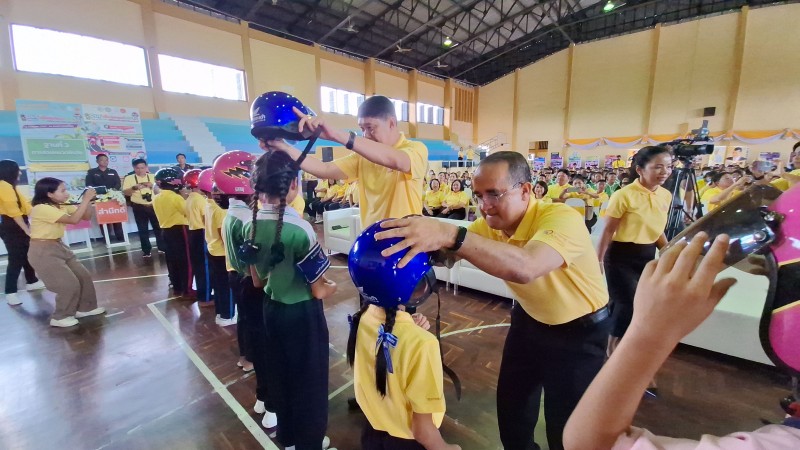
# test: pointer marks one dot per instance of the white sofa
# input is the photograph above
(732, 329)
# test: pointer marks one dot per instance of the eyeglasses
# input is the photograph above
(493, 199)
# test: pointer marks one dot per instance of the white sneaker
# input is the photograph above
(326, 442)
(259, 408)
(64, 323)
(226, 322)
(13, 300)
(94, 312)
(270, 420)
(35, 286)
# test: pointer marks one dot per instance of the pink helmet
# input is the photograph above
(232, 171)
(205, 181)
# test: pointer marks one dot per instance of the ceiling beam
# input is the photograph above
(253, 10)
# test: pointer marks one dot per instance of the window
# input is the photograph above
(194, 77)
(340, 102)
(400, 109)
(54, 52)
(430, 114)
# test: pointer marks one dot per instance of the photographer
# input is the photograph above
(139, 187)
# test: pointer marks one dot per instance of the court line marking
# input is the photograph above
(242, 414)
(340, 390)
(132, 278)
(115, 314)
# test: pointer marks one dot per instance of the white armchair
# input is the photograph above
(341, 227)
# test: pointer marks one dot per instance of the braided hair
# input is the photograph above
(273, 176)
(380, 361)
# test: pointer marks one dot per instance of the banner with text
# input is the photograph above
(116, 132)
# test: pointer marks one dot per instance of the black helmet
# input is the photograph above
(169, 178)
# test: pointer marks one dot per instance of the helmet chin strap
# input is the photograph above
(311, 141)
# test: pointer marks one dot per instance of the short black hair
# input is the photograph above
(138, 161)
(378, 107)
(97, 158)
(518, 169)
(579, 177)
(180, 154)
(565, 171)
(796, 146)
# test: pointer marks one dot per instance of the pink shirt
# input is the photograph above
(765, 438)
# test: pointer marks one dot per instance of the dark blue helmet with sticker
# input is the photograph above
(272, 117)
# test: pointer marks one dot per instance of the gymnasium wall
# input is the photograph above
(269, 62)
(656, 82)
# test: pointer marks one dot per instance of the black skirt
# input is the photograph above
(624, 263)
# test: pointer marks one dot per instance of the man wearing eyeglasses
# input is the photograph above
(559, 324)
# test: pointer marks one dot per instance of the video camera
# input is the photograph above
(695, 145)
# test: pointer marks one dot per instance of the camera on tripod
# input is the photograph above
(695, 145)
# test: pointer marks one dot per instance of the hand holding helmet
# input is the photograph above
(310, 124)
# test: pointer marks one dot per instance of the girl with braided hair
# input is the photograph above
(288, 262)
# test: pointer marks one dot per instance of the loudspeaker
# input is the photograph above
(327, 154)
(709, 111)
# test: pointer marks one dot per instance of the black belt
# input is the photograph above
(589, 319)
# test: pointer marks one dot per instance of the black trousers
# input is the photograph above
(197, 255)
(332, 206)
(177, 255)
(297, 368)
(562, 360)
(372, 439)
(434, 212)
(254, 336)
(145, 215)
(321, 206)
(235, 283)
(17, 244)
(624, 263)
(457, 214)
(223, 294)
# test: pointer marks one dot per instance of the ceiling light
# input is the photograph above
(447, 41)
(608, 7)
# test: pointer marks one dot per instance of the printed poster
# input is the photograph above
(51, 132)
(574, 161)
(115, 131)
(556, 161)
(773, 157)
(718, 156)
(592, 162)
(609, 161)
(538, 163)
(737, 156)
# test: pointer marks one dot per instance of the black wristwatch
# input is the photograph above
(351, 141)
(460, 236)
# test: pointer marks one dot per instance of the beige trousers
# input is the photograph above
(63, 274)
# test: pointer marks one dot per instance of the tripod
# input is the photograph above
(683, 176)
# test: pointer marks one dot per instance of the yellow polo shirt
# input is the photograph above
(433, 199)
(569, 292)
(386, 193)
(196, 210)
(586, 199)
(708, 194)
(783, 184)
(170, 209)
(214, 215)
(44, 220)
(131, 181)
(554, 190)
(618, 164)
(453, 198)
(415, 386)
(642, 213)
(321, 184)
(298, 204)
(9, 206)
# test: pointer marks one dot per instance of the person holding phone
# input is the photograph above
(57, 266)
(561, 184)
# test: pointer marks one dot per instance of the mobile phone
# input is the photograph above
(763, 166)
(572, 189)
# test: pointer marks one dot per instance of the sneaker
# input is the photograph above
(270, 420)
(147, 255)
(248, 367)
(259, 407)
(318, 221)
(13, 300)
(64, 323)
(34, 286)
(226, 322)
(326, 442)
(161, 251)
(94, 312)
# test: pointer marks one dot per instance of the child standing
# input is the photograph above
(170, 209)
(195, 213)
(291, 264)
(55, 263)
(398, 387)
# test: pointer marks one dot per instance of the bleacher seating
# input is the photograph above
(10, 143)
(163, 141)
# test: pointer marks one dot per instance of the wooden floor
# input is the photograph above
(155, 373)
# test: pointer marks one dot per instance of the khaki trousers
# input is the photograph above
(63, 274)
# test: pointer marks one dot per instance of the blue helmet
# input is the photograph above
(271, 117)
(378, 278)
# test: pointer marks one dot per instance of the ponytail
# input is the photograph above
(381, 361)
(644, 156)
